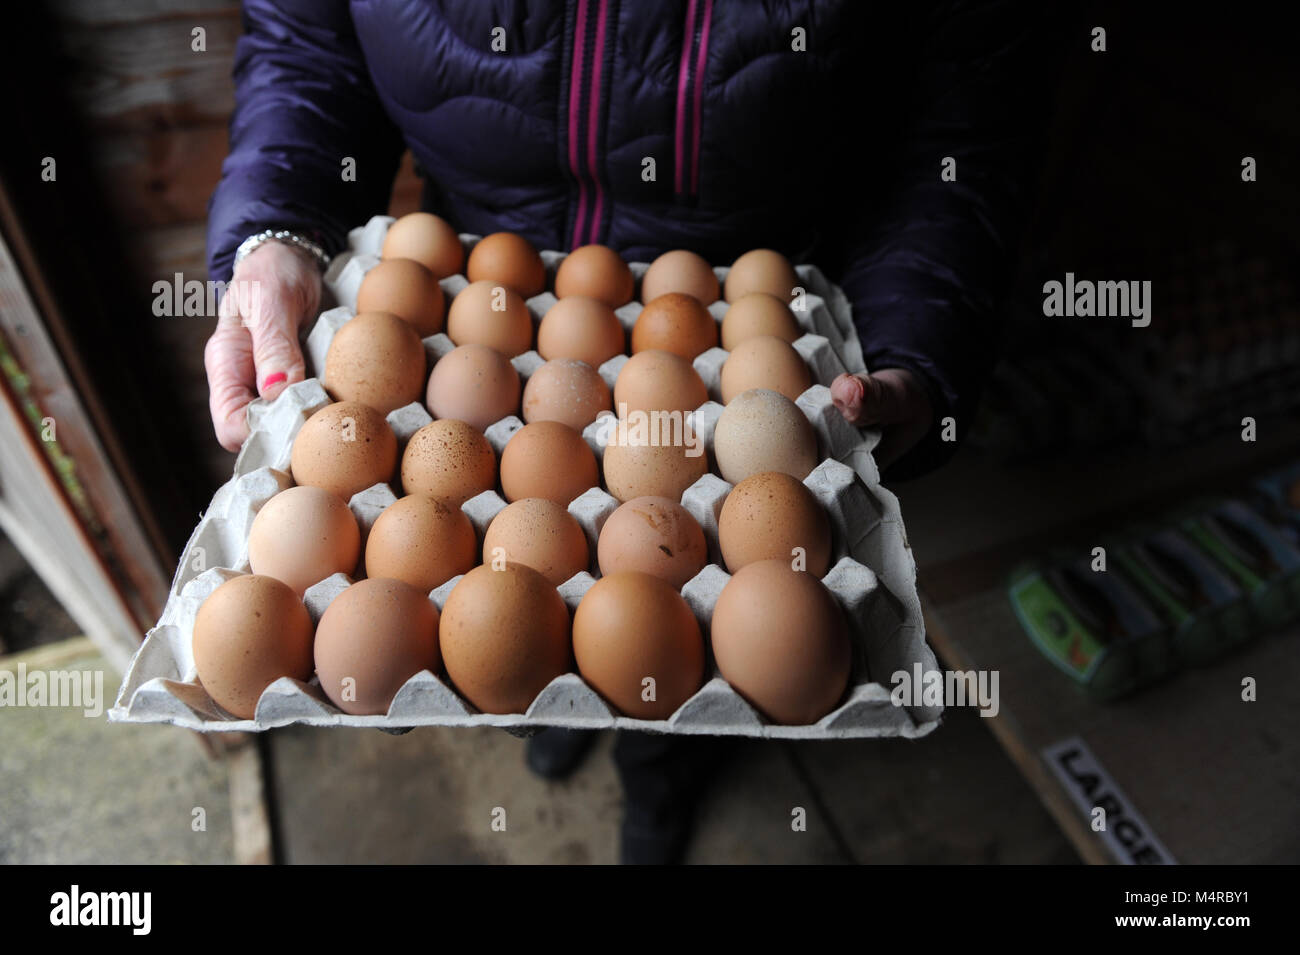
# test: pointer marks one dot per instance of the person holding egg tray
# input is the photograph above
(891, 145)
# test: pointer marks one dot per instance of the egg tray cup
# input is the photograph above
(872, 574)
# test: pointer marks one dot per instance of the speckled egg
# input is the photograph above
(771, 515)
(450, 461)
(344, 448)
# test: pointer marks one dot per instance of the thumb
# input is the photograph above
(873, 399)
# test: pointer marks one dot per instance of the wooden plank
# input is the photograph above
(162, 177)
(145, 75)
(108, 12)
(162, 251)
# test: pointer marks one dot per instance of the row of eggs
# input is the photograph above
(777, 636)
(592, 271)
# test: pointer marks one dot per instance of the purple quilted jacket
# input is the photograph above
(817, 127)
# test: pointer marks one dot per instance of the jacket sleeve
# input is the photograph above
(926, 271)
(304, 103)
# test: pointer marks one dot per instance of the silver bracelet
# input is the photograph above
(288, 238)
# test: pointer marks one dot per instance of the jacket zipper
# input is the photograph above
(697, 96)
(690, 89)
(584, 117)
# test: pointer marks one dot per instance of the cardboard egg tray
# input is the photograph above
(873, 574)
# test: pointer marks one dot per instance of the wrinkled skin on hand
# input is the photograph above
(892, 399)
(254, 350)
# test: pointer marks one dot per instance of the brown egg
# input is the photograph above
(421, 541)
(656, 536)
(658, 381)
(539, 534)
(449, 461)
(505, 636)
(761, 430)
(580, 328)
(761, 270)
(303, 535)
(475, 384)
(345, 447)
(547, 459)
(634, 469)
(680, 271)
(510, 260)
(408, 290)
(771, 516)
(758, 313)
(374, 637)
(489, 313)
(427, 239)
(378, 359)
(595, 271)
(675, 323)
(779, 638)
(248, 633)
(637, 643)
(765, 362)
(570, 392)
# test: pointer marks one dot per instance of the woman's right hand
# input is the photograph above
(254, 350)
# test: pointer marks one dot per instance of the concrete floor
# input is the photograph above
(78, 790)
(430, 796)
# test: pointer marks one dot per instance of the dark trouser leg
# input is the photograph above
(555, 753)
(663, 777)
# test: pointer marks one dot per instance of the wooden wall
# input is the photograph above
(158, 113)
